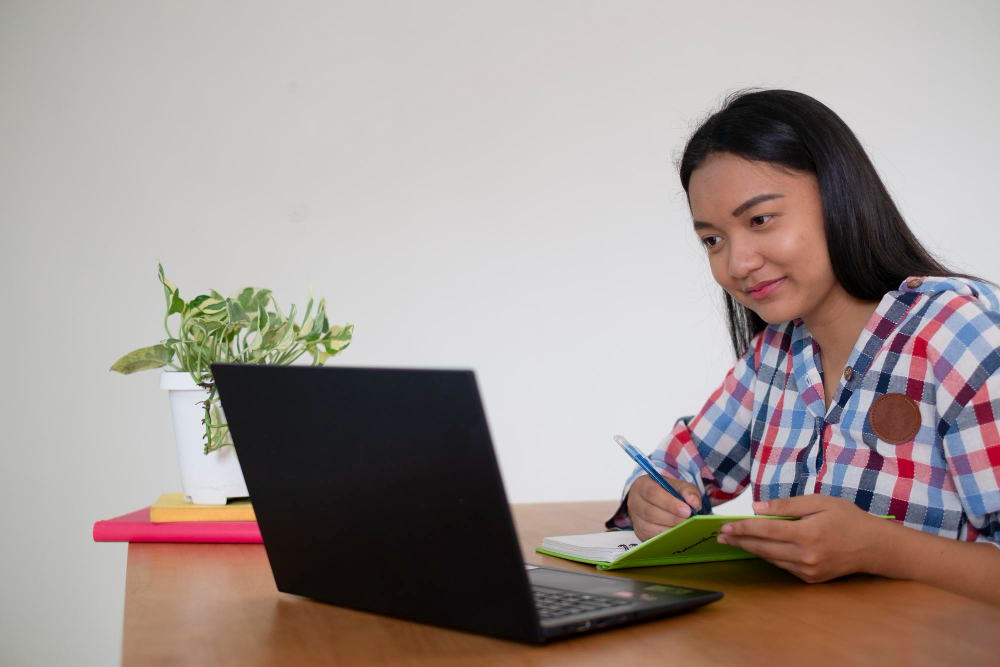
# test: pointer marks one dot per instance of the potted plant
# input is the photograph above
(247, 327)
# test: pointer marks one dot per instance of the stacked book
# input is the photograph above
(173, 519)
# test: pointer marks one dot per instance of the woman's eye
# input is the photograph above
(760, 217)
(709, 241)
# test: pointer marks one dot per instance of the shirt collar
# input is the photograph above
(883, 322)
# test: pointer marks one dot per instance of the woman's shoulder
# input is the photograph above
(955, 290)
(956, 314)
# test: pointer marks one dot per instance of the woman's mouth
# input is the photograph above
(766, 290)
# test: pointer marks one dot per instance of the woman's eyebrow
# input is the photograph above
(753, 201)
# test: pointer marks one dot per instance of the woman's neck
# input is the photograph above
(838, 323)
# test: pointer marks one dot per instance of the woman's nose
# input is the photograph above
(744, 258)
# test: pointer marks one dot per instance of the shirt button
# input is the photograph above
(914, 282)
(848, 373)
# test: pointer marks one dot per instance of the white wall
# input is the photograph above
(484, 185)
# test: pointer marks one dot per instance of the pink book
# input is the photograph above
(136, 527)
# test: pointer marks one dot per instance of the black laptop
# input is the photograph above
(378, 489)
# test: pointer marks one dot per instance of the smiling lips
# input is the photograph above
(764, 289)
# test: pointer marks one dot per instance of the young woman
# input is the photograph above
(867, 378)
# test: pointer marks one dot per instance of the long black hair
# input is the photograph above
(871, 248)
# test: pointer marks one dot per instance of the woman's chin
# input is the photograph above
(772, 313)
(771, 310)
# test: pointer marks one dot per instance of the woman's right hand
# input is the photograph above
(652, 508)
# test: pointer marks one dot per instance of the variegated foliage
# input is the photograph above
(247, 327)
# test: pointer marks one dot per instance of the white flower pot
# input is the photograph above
(207, 479)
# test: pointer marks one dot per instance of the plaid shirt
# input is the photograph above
(936, 340)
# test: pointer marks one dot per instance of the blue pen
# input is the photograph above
(644, 463)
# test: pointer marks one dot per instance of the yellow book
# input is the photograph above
(172, 508)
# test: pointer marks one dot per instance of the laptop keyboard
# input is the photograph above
(553, 603)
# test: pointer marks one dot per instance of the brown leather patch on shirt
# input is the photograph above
(895, 418)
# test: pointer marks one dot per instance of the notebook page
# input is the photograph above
(593, 546)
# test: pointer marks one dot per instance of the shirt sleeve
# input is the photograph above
(967, 369)
(712, 448)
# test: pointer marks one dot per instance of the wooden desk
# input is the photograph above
(217, 605)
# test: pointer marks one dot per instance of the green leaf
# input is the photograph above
(144, 358)
(168, 286)
(211, 326)
(255, 343)
(344, 333)
(175, 304)
(286, 339)
(274, 334)
(338, 339)
(261, 299)
(206, 305)
(321, 320)
(246, 299)
(236, 312)
(197, 301)
(309, 307)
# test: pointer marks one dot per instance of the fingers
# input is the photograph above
(772, 529)
(657, 515)
(768, 549)
(690, 492)
(645, 530)
(654, 510)
(787, 544)
(654, 494)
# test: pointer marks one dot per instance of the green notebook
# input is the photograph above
(692, 541)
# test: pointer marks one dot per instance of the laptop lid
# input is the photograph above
(378, 489)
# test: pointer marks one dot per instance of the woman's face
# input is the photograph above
(762, 228)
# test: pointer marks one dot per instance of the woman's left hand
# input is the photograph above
(833, 537)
